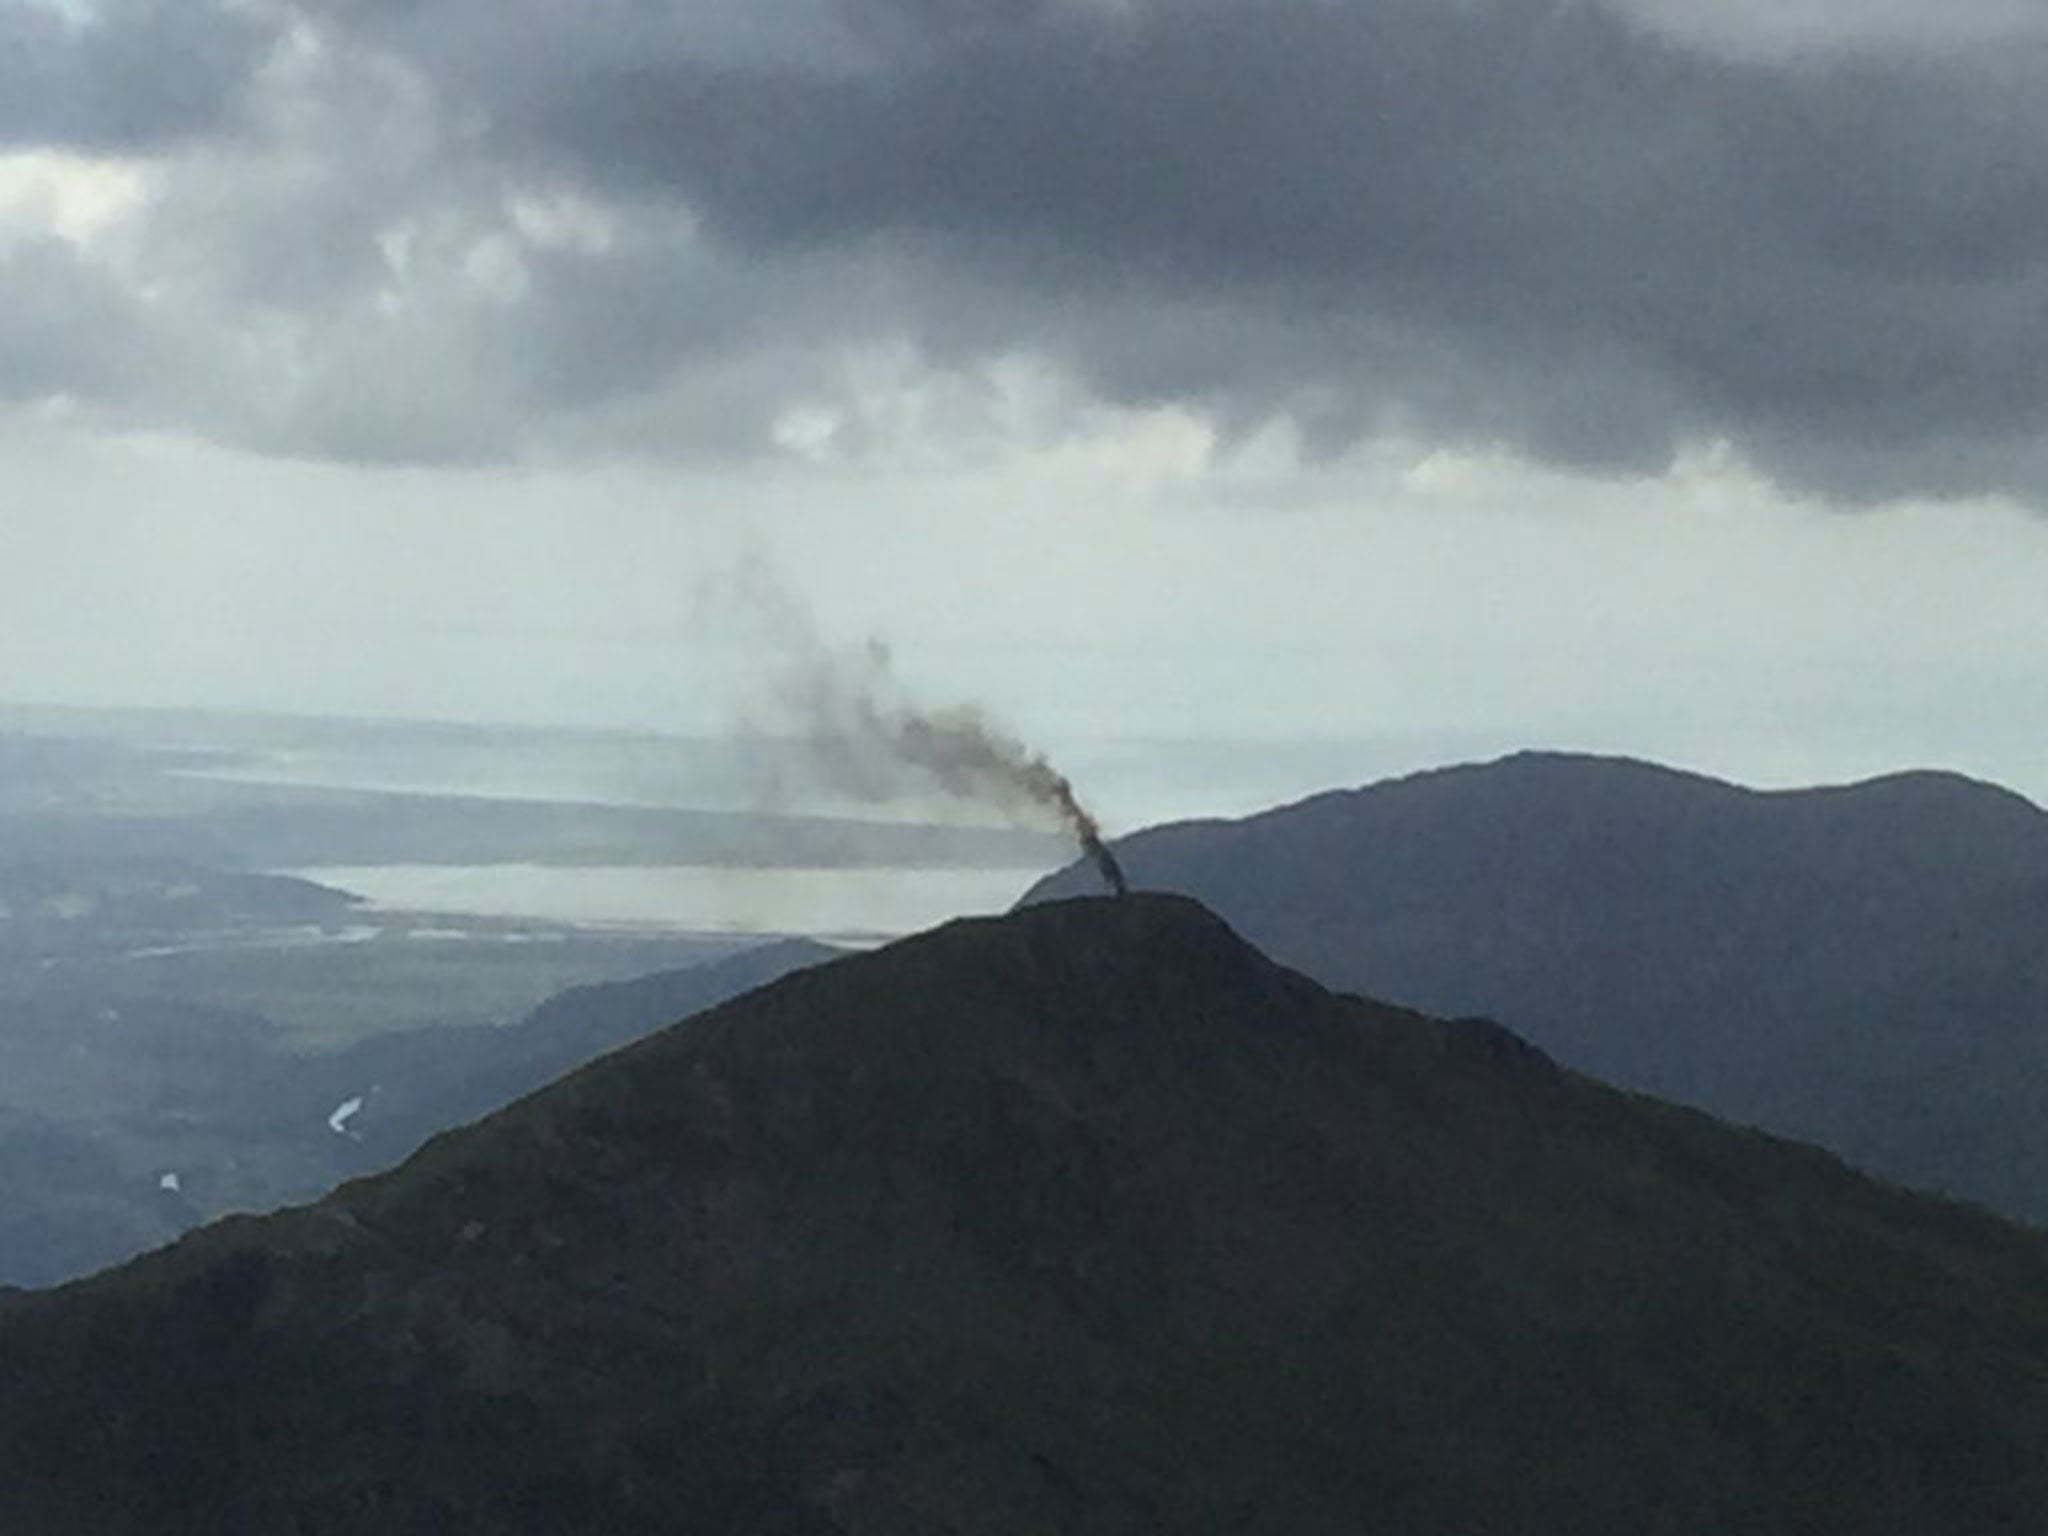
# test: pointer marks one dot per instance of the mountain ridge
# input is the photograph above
(1857, 965)
(1088, 1217)
(242, 1123)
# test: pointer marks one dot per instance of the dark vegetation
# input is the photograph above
(1087, 1219)
(1866, 967)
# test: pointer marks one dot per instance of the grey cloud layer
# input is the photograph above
(1536, 223)
(138, 75)
(65, 329)
(1509, 220)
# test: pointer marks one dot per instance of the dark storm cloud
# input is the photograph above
(1539, 224)
(136, 75)
(1502, 221)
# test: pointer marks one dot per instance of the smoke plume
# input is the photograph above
(864, 736)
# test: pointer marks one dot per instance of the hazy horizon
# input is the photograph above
(1618, 376)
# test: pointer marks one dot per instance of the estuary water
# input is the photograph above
(547, 825)
(862, 904)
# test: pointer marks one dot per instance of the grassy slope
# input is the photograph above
(1085, 1219)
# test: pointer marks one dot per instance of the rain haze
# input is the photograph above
(1234, 399)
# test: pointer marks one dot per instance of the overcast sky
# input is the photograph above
(1439, 376)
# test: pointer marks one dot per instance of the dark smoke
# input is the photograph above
(867, 738)
(1087, 833)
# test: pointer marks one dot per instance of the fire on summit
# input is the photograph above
(865, 737)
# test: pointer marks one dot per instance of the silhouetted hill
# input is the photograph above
(235, 1121)
(414, 1083)
(1085, 1219)
(1865, 966)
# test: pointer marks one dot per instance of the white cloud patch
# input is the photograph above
(72, 196)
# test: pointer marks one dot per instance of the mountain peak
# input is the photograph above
(1855, 965)
(1085, 1217)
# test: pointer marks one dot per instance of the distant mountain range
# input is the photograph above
(1865, 966)
(1089, 1218)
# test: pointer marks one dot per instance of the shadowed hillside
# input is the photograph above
(416, 1082)
(1866, 966)
(246, 1125)
(1088, 1218)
